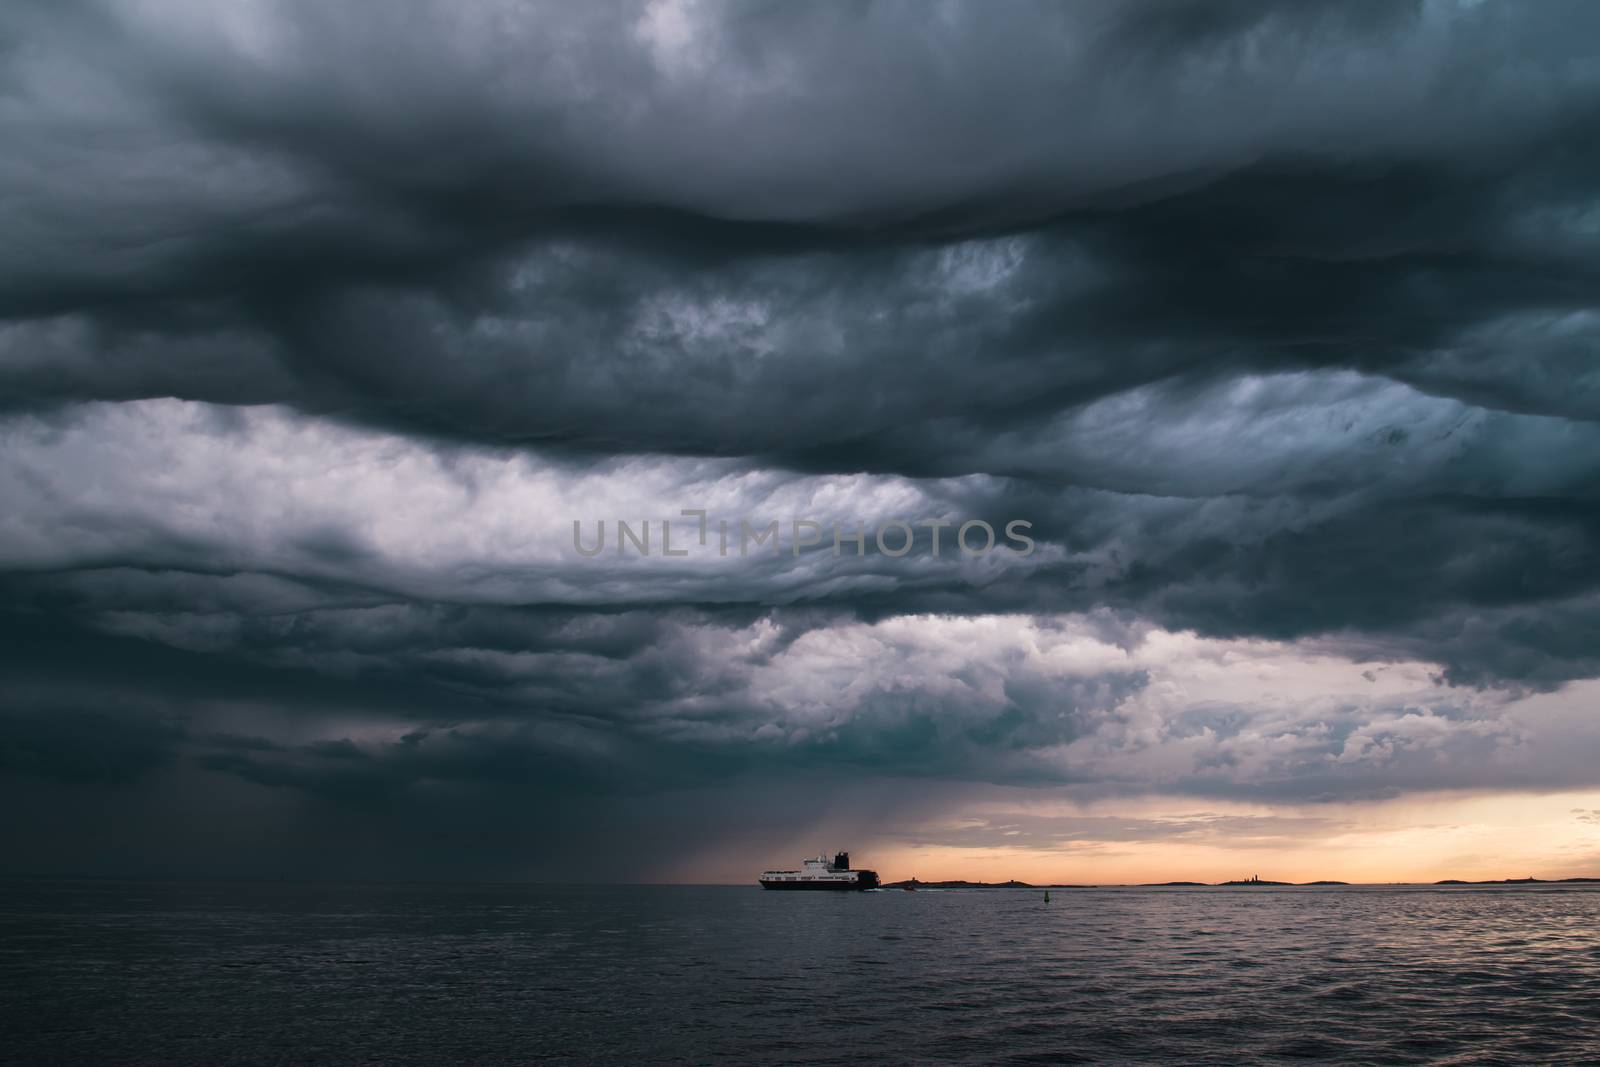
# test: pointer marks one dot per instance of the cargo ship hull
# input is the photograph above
(841, 885)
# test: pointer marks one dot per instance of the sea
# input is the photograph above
(100, 972)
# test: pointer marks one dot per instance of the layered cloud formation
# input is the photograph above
(321, 327)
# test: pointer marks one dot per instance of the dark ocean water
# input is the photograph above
(197, 973)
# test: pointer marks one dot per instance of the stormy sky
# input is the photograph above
(321, 324)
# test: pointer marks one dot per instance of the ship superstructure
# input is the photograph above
(821, 873)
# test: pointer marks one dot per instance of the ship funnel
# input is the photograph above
(841, 861)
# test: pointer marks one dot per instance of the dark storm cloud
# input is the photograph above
(615, 211)
(354, 718)
(1277, 321)
(76, 746)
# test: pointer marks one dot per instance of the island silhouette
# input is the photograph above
(1253, 880)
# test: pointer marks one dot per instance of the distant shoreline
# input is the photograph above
(913, 883)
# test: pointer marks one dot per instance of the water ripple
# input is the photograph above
(197, 973)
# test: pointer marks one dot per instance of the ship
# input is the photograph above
(820, 873)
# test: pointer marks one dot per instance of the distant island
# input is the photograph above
(959, 883)
(1516, 881)
(913, 883)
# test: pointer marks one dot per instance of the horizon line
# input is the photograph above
(939, 883)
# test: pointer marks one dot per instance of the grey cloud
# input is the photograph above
(685, 708)
(283, 212)
(1277, 320)
(115, 745)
